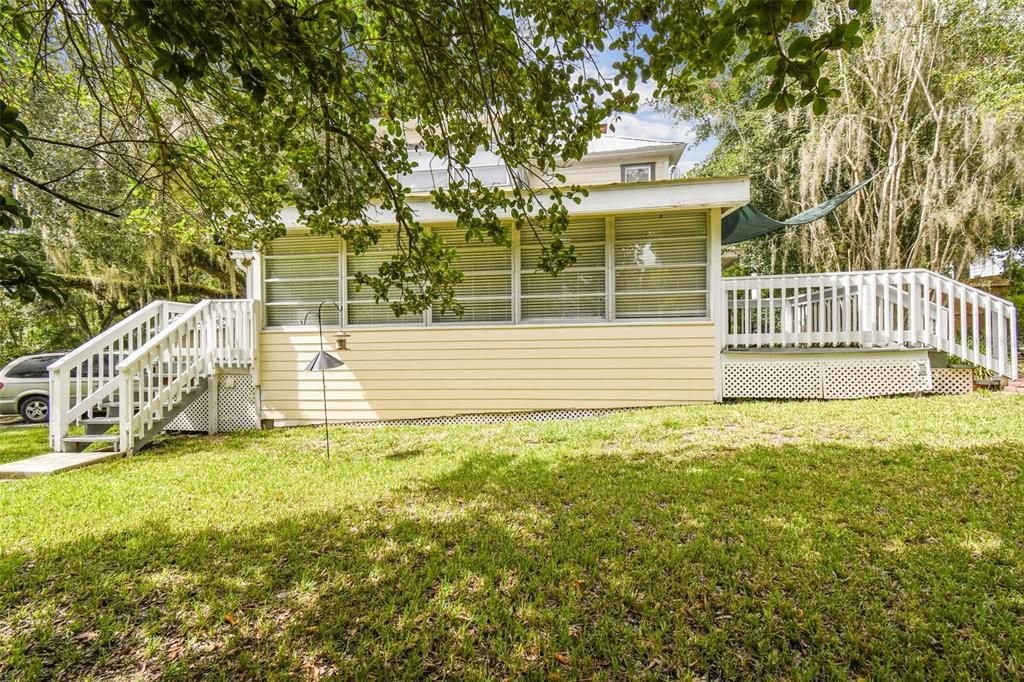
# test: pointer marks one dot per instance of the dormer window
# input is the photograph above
(637, 172)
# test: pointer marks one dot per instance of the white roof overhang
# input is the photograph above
(620, 198)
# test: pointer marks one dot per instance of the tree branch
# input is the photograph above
(63, 197)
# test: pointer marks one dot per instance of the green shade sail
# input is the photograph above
(747, 222)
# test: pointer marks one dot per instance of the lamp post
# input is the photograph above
(323, 361)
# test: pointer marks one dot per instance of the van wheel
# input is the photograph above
(35, 410)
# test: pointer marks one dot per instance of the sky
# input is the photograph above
(650, 123)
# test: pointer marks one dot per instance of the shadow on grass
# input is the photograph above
(765, 561)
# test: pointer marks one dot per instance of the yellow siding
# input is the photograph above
(438, 371)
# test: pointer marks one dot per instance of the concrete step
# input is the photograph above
(52, 463)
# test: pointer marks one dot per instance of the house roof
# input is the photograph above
(621, 145)
(723, 192)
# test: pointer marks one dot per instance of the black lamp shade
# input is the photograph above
(323, 361)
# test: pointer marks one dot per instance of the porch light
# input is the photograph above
(324, 361)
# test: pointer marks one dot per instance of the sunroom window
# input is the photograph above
(578, 292)
(300, 272)
(655, 267)
(362, 309)
(485, 292)
(661, 265)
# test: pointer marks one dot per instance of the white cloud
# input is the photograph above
(652, 125)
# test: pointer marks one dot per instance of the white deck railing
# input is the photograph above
(157, 376)
(84, 379)
(897, 308)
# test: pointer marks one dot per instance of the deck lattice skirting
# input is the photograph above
(496, 417)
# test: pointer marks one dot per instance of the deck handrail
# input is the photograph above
(158, 376)
(84, 378)
(884, 308)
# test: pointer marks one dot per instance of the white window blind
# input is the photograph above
(485, 292)
(362, 309)
(661, 265)
(576, 293)
(300, 272)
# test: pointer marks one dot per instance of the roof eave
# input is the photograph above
(726, 193)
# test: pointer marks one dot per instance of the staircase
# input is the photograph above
(888, 309)
(125, 384)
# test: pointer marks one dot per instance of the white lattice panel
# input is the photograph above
(868, 378)
(952, 380)
(236, 407)
(789, 377)
(791, 380)
(195, 417)
(496, 417)
(236, 404)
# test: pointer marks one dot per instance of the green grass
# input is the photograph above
(875, 538)
(22, 442)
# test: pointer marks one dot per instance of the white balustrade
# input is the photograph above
(160, 374)
(148, 362)
(891, 308)
(84, 379)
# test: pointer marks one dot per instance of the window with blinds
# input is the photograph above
(576, 293)
(300, 271)
(661, 265)
(362, 309)
(485, 292)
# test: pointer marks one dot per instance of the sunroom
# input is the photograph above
(631, 323)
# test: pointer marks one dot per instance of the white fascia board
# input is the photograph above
(674, 151)
(619, 198)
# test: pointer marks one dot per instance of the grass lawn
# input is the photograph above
(22, 442)
(874, 538)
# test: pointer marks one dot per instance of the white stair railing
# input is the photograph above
(898, 308)
(162, 373)
(86, 378)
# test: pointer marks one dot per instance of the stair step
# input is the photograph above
(102, 438)
(101, 420)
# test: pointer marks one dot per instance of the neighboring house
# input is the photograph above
(644, 318)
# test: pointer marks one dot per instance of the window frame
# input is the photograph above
(516, 288)
(511, 297)
(604, 316)
(298, 257)
(625, 167)
(706, 291)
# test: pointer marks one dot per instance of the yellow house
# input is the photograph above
(643, 318)
(632, 323)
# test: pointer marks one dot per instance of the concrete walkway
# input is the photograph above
(52, 463)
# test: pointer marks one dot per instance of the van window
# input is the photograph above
(32, 368)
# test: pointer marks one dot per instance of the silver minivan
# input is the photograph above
(25, 387)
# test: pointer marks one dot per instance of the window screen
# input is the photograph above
(301, 272)
(362, 309)
(661, 265)
(576, 293)
(486, 289)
